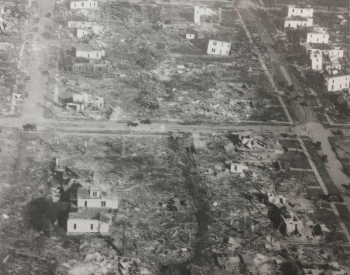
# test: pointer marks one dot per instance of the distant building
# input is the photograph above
(91, 68)
(218, 47)
(316, 60)
(238, 168)
(204, 14)
(79, 24)
(88, 220)
(300, 10)
(89, 51)
(297, 22)
(83, 4)
(337, 82)
(317, 36)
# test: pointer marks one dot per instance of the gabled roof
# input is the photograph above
(84, 193)
(86, 47)
(190, 31)
(321, 46)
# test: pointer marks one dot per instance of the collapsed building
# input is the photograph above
(82, 101)
(206, 15)
(92, 68)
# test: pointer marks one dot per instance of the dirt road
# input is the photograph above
(38, 55)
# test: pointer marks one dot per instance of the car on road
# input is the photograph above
(29, 127)
(145, 121)
(337, 132)
(132, 123)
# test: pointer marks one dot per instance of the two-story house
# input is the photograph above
(216, 47)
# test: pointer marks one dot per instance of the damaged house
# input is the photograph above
(82, 101)
(89, 220)
(206, 15)
(92, 68)
(91, 30)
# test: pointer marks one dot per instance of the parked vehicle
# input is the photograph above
(145, 121)
(132, 124)
(337, 132)
(29, 127)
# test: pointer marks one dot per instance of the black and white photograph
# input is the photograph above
(174, 137)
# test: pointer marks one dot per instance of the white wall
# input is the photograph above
(338, 83)
(83, 5)
(96, 203)
(317, 38)
(218, 47)
(303, 12)
(316, 64)
(288, 23)
(316, 60)
(84, 226)
(89, 54)
(82, 32)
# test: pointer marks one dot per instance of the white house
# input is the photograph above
(201, 13)
(317, 37)
(300, 10)
(88, 221)
(88, 51)
(238, 168)
(297, 22)
(94, 198)
(337, 82)
(316, 57)
(83, 4)
(336, 53)
(218, 47)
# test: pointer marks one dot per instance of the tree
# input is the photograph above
(41, 213)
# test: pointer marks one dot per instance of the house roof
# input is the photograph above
(296, 18)
(86, 47)
(339, 74)
(190, 31)
(300, 6)
(219, 39)
(321, 46)
(84, 193)
(91, 214)
(318, 30)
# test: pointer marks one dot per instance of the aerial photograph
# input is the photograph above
(175, 137)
